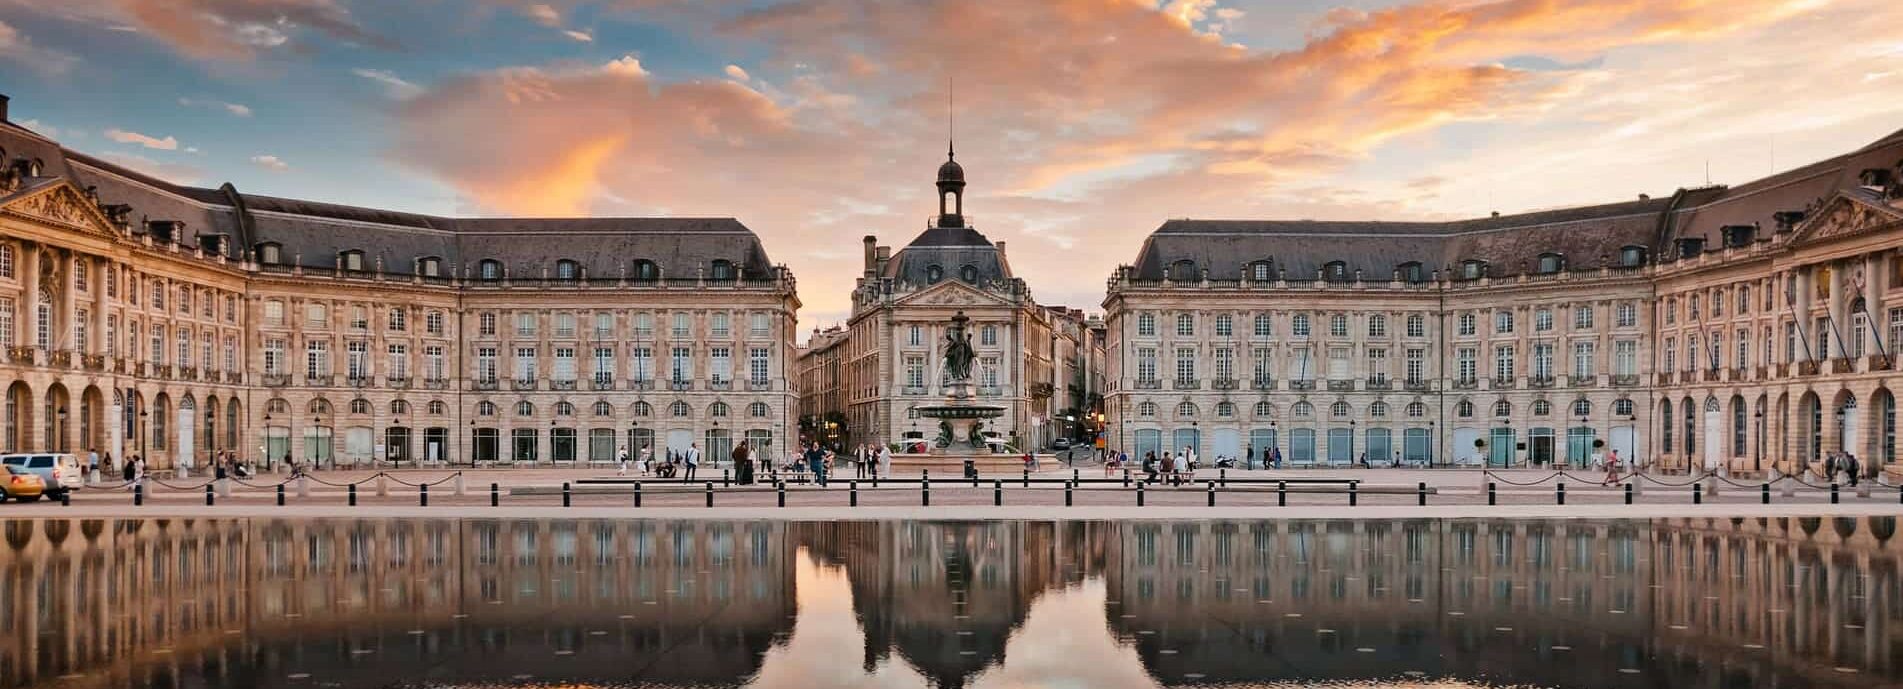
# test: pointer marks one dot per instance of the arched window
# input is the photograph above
(721, 270)
(1225, 410)
(1550, 263)
(429, 267)
(1378, 410)
(679, 410)
(717, 410)
(271, 254)
(1264, 410)
(1302, 410)
(438, 408)
(360, 406)
(1622, 407)
(489, 270)
(567, 270)
(1339, 410)
(1502, 408)
(1186, 410)
(1146, 410)
(641, 409)
(277, 405)
(1582, 407)
(604, 409)
(646, 270)
(399, 407)
(524, 408)
(1542, 407)
(968, 273)
(1416, 410)
(319, 406)
(1464, 409)
(758, 410)
(485, 408)
(352, 260)
(933, 274)
(1412, 271)
(564, 409)
(1183, 271)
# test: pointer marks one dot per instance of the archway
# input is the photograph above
(56, 413)
(208, 439)
(1810, 428)
(187, 435)
(1848, 419)
(233, 440)
(92, 419)
(1714, 430)
(1884, 402)
(19, 418)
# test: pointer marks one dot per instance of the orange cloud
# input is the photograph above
(221, 29)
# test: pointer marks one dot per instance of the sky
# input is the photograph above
(1082, 124)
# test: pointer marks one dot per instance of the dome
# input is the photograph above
(951, 171)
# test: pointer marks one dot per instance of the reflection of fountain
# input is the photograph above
(961, 420)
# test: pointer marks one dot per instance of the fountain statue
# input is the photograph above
(960, 417)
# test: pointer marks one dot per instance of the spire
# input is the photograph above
(951, 117)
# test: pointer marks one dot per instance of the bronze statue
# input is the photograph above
(958, 352)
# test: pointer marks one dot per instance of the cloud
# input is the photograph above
(46, 130)
(221, 29)
(393, 85)
(543, 14)
(578, 35)
(18, 47)
(126, 137)
(171, 172)
(1082, 123)
(270, 162)
(234, 109)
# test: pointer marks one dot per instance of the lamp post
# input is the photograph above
(59, 432)
(265, 449)
(1275, 442)
(1433, 447)
(1587, 448)
(144, 426)
(1757, 457)
(1351, 440)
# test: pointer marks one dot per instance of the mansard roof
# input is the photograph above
(1584, 236)
(313, 233)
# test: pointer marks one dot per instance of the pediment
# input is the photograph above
(952, 293)
(1846, 215)
(58, 203)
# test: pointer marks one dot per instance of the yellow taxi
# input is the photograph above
(20, 485)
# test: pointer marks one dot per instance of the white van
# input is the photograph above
(59, 470)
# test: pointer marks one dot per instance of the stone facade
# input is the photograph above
(278, 329)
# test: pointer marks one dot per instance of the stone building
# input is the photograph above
(888, 354)
(1535, 338)
(142, 316)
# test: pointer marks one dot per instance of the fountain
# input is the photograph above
(961, 418)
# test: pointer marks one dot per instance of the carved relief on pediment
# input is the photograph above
(61, 206)
(1845, 217)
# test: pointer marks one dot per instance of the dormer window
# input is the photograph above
(721, 270)
(430, 267)
(489, 270)
(1550, 263)
(1473, 269)
(1631, 256)
(968, 273)
(1739, 235)
(933, 274)
(1261, 271)
(352, 260)
(1335, 271)
(1183, 271)
(646, 271)
(567, 270)
(270, 253)
(1412, 271)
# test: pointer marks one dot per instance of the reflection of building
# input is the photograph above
(1719, 326)
(888, 359)
(138, 315)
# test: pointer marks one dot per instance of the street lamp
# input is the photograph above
(1433, 439)
(1275, 443)
(59, 432)
(145, 425)
(1351, 441)
(1757, 460)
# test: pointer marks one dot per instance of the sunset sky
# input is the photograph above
(1082, 124)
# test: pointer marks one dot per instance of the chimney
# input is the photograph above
(1000, 249)
(1645, 197)
(3, 107)
(871, 253)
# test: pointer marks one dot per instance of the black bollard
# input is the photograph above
(352, 494)
(280, 495)
(1074, 475)
(1833, 493)
(66, 498)
(1126, 478)
(1027, 478)
(138, 495)
(1420, 493)
(1212, 492)
(567, 495)
(852, 489)
(637, 493)
(210, 497)
(997, 493)
(1139, 495)
(422, 495)
(495, 495)
(1559, 492)
(710, 493)
(1281, 494)
(1493, 497)
(1067, 492)
(1764, 493)
(726, 478)
(1698, 493)
(782, 491)
(1354, 495)
(1222, 475)
(1628, 493)
(925, 492)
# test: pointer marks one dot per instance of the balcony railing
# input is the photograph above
(1149, 384)
(397, 382)
(1262, 384)
(1377, 384)
(1341, 386)
(485, 384)
(721, 385)
(435, 383)
(277, 380)
(320, 381)
(522, 384)
(1301, 385)
(641, 384)
(1502, 384)
(990, 391)
(568, 384)
(234, 378)
(759, 385)
(914, 390)
(93, 362)
(604, 383)
(61, 357)
(1807, 368)
(1538, 382)
(1186, 384)
(1627, 380)
(1582, 381)
(359, 381)
(1222, 384)
(1417, 386)
(1664, 378)
(680, 385)
(1843, 366)
(164, 372)
(1712, 375)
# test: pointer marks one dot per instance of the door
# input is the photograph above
(186, 415)
(1148, 440)
(1622, 443)
(1541, 446)
(1500, 449)
(1226, 442)
(678, 440)
(1714, 437)
(1380, 446)
(1464, 451)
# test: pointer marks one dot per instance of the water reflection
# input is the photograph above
(1570, 603)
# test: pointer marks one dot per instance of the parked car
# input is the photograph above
(60, 472)
(1060, 444)
(20, 485)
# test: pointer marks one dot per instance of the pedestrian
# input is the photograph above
(1248, 456)
(109, 465)
(621, 461)
(1149, 466)
(126, 472)
(1030, 461)
(1181, 468)
(816, 463)
(1830, 467)
(644, 460)
(742, 464)
(1852, 468)
(92, 463)
(1364, 460)
(885, 461)
(1612, 469)
(692, 459)
(1275, 454)
(136, 472)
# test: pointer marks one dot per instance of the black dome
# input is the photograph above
(951, 171)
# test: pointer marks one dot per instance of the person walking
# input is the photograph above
(126, 472)
(644, 460)
(885, 461)
(816, 463)
(692, 460)
(1851, 468)
(1612, 469)
(621, 461)
(742, 464)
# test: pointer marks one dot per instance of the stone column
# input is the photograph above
(1875, 281)
(1805, 290)
(1839, 309)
